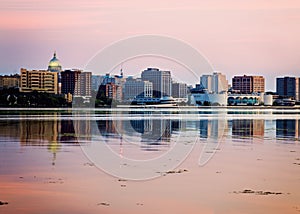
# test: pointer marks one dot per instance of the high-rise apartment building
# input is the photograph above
(248, 84)
(161, 80)
(83, 85)
(69, 78)
(112, 91)
(288, 86)
(39, 80)
(76, 82)
(215, 83)
(137, 88)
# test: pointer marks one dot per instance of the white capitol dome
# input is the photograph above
(54, 64)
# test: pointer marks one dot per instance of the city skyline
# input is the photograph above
(237, 37)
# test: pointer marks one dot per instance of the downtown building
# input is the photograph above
(179, 92)
(215, 83)
(76, 82)
(47, 81)
(96, 82)
(10, 81)
(83, 85)
(137, 88)
(161, 80)
(39, 80)
(248, 84)
(111, 87)
(212, 90)
(288, 87)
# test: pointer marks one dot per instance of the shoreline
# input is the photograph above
(130, 107)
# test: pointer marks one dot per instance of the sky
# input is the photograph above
(253, 37)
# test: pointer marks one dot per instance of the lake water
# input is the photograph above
(149, 161)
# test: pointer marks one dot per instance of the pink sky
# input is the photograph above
(238, 37)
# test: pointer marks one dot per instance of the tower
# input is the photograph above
(55, 66)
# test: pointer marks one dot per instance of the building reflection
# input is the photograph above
(248, 128)
(83, 127)
(151, 129)
(34, 130)
(214, 128)
(110, 128)
(38, 131)
(287, 129)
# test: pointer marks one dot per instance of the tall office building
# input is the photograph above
(39, 80)
(161, 80)
(76, 82)
(248, 84)
(215, 83)
(69, 78)
(179, 90)
(288, 86)
(137, 88)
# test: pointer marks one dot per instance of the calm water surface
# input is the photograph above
(249, 161)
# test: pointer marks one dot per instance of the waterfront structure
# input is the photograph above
(248, 84)
(201, 96)
(10, 81)
(215, 83)
(137, 88)
(39, 80)
(161, 80)
(245, 99)
(268, 99)
(288, 87)
(206, 98)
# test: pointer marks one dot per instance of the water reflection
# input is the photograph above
(151, 130)
(287, 129)
(147, 128)
(213, 128)
(248, 128)
(39, 132)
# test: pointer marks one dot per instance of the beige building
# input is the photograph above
(39, 80)
(12, 81)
